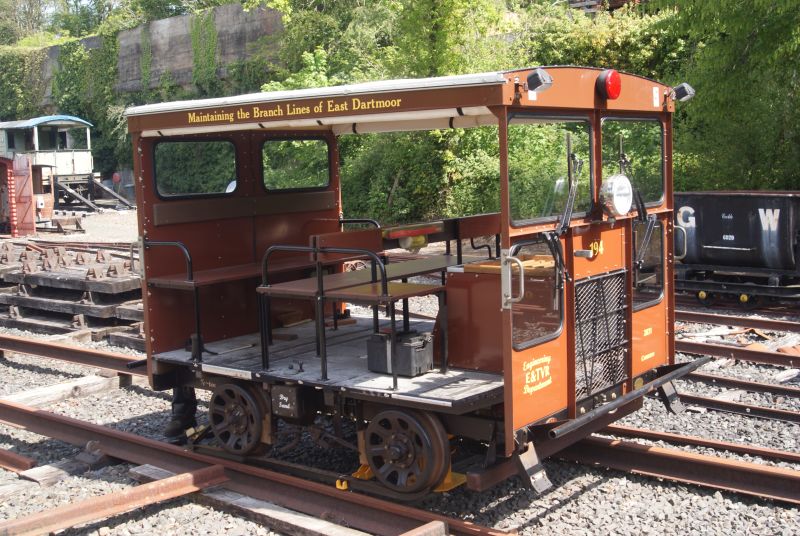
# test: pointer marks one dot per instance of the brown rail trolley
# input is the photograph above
(557, 323)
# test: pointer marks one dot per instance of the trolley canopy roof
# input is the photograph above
(60, 121)
(393, 105)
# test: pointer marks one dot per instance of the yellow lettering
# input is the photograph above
(333, 106)
(647, 332)
(260, 113)
(651, 355)
(537, 374)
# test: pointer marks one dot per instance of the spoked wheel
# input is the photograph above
(236, 416)
(407, 451)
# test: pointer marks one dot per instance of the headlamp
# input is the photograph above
(616, 195)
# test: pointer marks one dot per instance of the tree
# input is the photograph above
(742, 130)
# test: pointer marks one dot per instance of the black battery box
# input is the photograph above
(413, 353)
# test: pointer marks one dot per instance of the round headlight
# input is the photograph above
(616, 195)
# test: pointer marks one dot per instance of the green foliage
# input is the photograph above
(295, 164)
(83, 85)
(204, 50)
(21, 86)
(742, 130)
(396, 177)
(436, 37)
(538, 171)
(472, 167)
(314, 73)
(42, 39)
(146, 59)
(194, 167)
(627, 40)
(248, 75)
(641, 153)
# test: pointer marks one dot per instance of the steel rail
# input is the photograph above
(736, 352)
(740, 321)
(73, 354)
(96, 508)
(732, 307)
(12, 461)
(671, 464)
(357, 511)
(746, 385)
(741, 409)
(750, 450)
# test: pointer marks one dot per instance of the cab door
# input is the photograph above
(547, 159)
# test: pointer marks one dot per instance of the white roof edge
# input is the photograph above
(407, 84)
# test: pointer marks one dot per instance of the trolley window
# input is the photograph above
(648, 278)
(634, 147)
(195, 168)
(295, 164)
(541, 154)
(538, 316)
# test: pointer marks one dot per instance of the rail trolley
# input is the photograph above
(556, 326)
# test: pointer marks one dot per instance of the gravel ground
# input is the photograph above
(108, 226)
(583, 501)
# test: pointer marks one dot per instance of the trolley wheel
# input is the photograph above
(408, 451)
(236, 415)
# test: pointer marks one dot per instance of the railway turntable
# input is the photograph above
(558, 322)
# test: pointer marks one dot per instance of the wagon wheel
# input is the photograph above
(748, 301)
(236, 416)
(407, 451)
(706, 298)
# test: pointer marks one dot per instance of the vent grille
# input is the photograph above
(600, 333)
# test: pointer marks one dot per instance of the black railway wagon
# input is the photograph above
(744, 244)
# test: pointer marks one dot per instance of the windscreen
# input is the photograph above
(544, 155)
(634, 147)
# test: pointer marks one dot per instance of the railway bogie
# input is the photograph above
(559, 323)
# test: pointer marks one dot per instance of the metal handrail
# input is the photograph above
(377, 263)
(179, 245)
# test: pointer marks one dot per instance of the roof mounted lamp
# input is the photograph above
(682, 92)
(539, 80)
(609, 84)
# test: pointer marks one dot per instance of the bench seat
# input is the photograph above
(307, 288)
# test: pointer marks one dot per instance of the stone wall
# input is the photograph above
(238, 32)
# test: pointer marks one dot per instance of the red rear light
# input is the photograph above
(609, 84)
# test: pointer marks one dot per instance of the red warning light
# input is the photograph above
(609, 84)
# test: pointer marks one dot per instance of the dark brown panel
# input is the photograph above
(295, 202)
(195, 210)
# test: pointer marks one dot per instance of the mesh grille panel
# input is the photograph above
(599, 333)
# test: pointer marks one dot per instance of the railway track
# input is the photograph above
(196, 471)
(320, 500)
(737, 352)
(747, 478)
(683, 315)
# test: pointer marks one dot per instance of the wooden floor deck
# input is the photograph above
(295, 361)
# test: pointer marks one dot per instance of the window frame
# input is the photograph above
(519, 224)
(209, 195)
(658, 299)
(560, 282)
(279, 191)
(658, 120)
